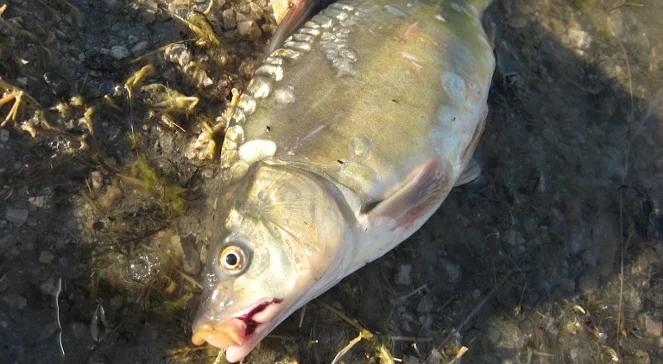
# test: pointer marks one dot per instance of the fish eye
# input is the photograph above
(232, 259)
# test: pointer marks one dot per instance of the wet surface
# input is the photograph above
(553, 255)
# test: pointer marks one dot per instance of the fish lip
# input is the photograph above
(242, 331)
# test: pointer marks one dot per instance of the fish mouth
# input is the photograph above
(240, 333)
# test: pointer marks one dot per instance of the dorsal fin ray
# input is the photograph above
(300, 12)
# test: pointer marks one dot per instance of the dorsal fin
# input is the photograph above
(300, 12)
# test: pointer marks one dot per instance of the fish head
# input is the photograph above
(279, 245)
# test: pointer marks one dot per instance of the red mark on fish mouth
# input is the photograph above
(248, 320)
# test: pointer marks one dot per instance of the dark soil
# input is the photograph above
(554, 255)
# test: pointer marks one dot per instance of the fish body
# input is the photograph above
(347, 139)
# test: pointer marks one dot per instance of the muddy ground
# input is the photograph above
(554, 255)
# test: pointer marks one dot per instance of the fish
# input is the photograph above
(349, 136)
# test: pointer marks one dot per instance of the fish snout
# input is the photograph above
(221, 335)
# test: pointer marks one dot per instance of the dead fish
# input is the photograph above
(347, 139)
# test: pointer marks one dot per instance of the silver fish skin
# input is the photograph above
(346, 141)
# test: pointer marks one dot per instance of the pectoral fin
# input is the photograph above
(472, 172)
(416, 198)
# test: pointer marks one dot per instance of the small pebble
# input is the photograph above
(116, 302)
(229, 21)
(119, 52)
(453, 270)
(588, 283)
(580, 38)
(38, 201)
(139, 48)
(425, 305)
(97, 180)
(16, 216)
(4, 283)
(111, 4)
(46, 257)
(653, 327)
(47, 330)
(48, 287)
(149, 16)
(207, 173)
(190, 255)
(403, 277)
(518, 22)
(15, 301)
(27, 245)
(80, 330)
(4, 135)
(248, 28)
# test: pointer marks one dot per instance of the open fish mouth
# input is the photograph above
(239, 334)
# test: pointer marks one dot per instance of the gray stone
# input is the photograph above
(111, 4)
(425, 305)
(7, 241)
(4, 135)
(97, 180)
(505, 333)
(38, 201)
(207, 173)
(149, 16)
(579, 38)
(190, 255)
(16, 216)
(46, 257)
(48, 288)
(139, 48)
(653, 327)
(403, 277)
(517, 22)
(588, 283)
(229, 21)
(119, 52)
(48, 330)
(15, 301)
(27, 245)
(4, 283)
(249, 28)
(80, 330)
(639, 357)
(453, 270)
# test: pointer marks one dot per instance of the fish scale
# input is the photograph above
(329, 85)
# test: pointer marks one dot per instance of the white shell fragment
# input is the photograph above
(270, 70)
(256, 150)
(284, 95)
(260, 87)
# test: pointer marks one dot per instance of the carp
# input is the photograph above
(348, 138)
